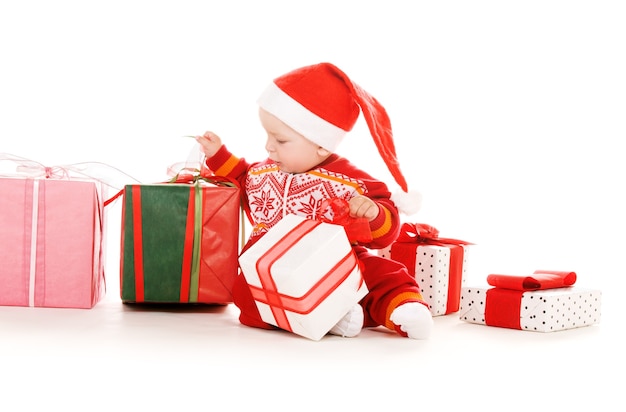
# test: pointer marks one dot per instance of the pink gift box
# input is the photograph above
(51, 242)
(303, 275)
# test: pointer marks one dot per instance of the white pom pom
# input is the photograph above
(408, 203)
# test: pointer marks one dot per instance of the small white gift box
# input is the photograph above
(547, 310)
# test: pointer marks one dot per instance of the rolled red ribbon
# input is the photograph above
(417, 233)
(541, 279)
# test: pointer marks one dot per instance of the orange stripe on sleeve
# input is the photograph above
(227, 167)
(385, 227)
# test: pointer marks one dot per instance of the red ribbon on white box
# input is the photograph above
(541, 279)
(278, 302)
(503, 302)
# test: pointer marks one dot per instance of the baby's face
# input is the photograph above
(292, 152)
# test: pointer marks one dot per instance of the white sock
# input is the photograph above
(351, 324)
(413, 318)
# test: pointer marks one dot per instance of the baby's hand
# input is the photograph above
(210, 143)
(361, 206)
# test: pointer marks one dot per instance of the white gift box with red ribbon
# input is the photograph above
(546, 301)
(303, 275)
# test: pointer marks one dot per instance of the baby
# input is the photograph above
(306, 113)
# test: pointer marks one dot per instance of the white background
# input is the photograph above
(509, 117)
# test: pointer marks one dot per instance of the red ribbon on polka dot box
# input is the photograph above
(546, 301)
(438, 264)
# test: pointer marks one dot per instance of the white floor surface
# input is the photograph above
(125, 357)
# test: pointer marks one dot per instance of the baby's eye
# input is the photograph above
(276, 138)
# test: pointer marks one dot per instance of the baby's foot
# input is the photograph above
(351, 324)
(414, 319)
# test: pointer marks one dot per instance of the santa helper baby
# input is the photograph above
(306, 113)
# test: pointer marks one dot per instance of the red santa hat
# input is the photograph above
(321, 103)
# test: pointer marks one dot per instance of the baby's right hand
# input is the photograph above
(210, 143)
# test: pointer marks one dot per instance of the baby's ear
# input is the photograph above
(321, 152)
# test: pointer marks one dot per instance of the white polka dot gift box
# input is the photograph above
(439, 264)
(547, 301)
(303, 275)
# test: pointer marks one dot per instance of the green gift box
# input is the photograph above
(180, 243)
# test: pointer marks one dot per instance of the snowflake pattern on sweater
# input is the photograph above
(273, 194)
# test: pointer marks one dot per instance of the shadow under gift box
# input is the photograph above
(51, 242)
(303, 275)
(180, 243)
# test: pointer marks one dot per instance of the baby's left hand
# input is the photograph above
(362, 206)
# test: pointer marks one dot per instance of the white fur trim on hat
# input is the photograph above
(296, 116)
(408, 203)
